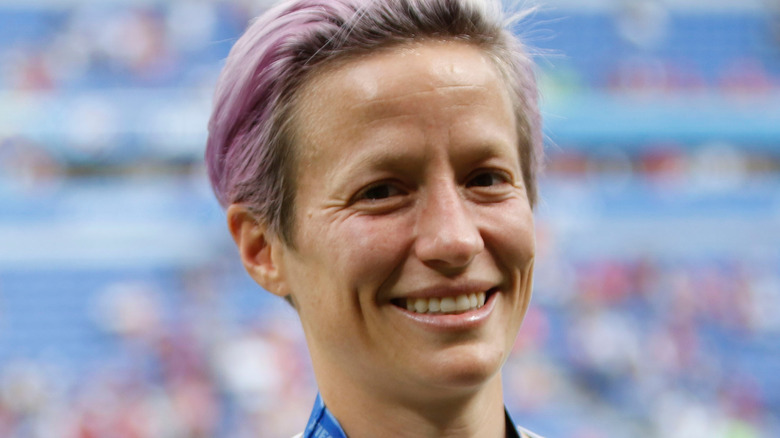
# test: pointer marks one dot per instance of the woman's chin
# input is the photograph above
(463, 370)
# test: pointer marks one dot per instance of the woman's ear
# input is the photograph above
(259, 248)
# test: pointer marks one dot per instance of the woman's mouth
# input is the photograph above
(445, 305)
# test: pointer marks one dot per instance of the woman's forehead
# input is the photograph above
(397, 82)
(387, 73)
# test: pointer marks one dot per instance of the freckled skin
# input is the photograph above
(409, 178)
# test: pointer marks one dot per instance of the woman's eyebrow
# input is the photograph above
(385, 159)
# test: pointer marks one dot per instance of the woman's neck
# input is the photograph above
(365, 412)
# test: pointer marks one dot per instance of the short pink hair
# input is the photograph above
(250, 155)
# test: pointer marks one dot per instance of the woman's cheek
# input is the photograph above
(510, 234)
(376, 244)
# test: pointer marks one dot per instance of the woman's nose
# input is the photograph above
(447, 235)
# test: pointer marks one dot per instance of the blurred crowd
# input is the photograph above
(645, 345)
(640, 45)
(188, 372)
(93, 45)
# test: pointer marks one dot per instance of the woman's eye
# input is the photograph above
(378, 192)
(486, 179)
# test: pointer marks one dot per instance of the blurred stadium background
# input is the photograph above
(124, 311)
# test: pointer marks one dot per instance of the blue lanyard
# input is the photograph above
(322, 424)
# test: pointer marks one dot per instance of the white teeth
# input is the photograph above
(458, 304)
(448, 305)
(434, 305)
(462, 303)
(421, 306)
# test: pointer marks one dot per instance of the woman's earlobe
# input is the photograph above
(257, 247)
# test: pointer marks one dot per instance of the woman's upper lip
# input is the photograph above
(448, 290)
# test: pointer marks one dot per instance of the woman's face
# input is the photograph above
(410, 213)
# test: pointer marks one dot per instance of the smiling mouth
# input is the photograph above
(445, 305)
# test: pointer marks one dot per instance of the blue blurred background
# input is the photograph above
(124, 311)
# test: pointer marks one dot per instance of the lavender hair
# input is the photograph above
(250, 154)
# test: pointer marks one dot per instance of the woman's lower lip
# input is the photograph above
(456, 321)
